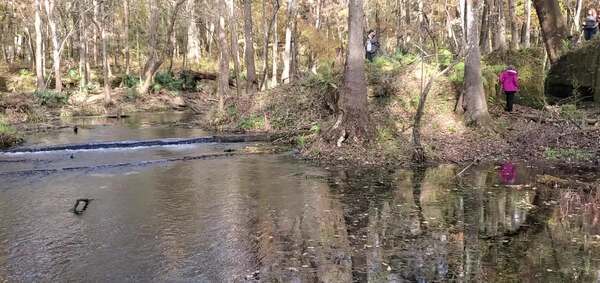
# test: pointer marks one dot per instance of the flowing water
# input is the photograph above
(245, 218)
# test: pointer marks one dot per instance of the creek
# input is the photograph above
(159, 215)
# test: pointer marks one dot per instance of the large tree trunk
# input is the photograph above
(252, 85)
(577, 17)
(223, 82)
(193, 39)
(275, 56)
(484, 41)
(514, 26)
(154, 61)
(100, 23)
(500, 22)
(289, 34)
(39, 53)
(527, 35)
(95, 32)
(474, 98)
(232, 23)
(49, 5)
(268, 27)
(554, 29)
(353, 117)
(83, 64)
(126, 31)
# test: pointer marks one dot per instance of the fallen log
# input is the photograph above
(194, 76)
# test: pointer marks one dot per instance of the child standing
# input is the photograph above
(509, 80)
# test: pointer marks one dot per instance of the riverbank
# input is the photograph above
(565, 135)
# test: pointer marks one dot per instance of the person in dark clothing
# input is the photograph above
(590, 24)
(371, 46)
(509, 80)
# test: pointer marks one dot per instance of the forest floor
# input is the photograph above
(301, 112)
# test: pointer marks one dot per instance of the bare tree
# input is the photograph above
(500, 23)
(154, 54)
(223, 80)
(193, 40)
(100, 22)
(514, 27)
(83, 60)
(275, 57)
(289, 34)
(252, 85)
(49, 5)
(39, 53)
(527, 29)
(126, 33)
(474, 98)
(553, 26)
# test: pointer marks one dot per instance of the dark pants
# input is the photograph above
(588, 33)
(510, 99)
(370, 56)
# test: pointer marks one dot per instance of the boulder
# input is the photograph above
(577, 72)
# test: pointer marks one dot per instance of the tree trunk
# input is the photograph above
(126, 31)
(193, 39)
(576, 28)
(49, 5)
(287, 53)
(275, 56)
(268, 27)
(83, 64)
(252, 82)
(232, 22)
(484, 41)
(39, 53)
(95, 32)
(154, 61)
(223, 82)
(156, 58)
(514, 26)
(500, 34)
(554, 29)
(475, 104)
(527, 35)
(353, 117)
(100, 23)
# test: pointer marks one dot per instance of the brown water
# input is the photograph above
(272, 218)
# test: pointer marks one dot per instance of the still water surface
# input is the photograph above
(272, 218)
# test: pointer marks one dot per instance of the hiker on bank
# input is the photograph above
(590, 24)
(509, 81)
(372, 45)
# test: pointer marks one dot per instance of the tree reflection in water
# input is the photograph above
(423, 226)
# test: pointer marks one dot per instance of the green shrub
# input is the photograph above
(131, 81)
(252, 122)
(168, 81)
(570, 111)
(8, 135)
(131, 94)
(570, 154)
(457, 74)
(50, 98)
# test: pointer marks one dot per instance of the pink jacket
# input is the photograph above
(509, 80)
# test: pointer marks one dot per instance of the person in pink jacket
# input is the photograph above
(509, 80)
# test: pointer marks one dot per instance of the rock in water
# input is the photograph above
(577, 72)
(81, 205)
